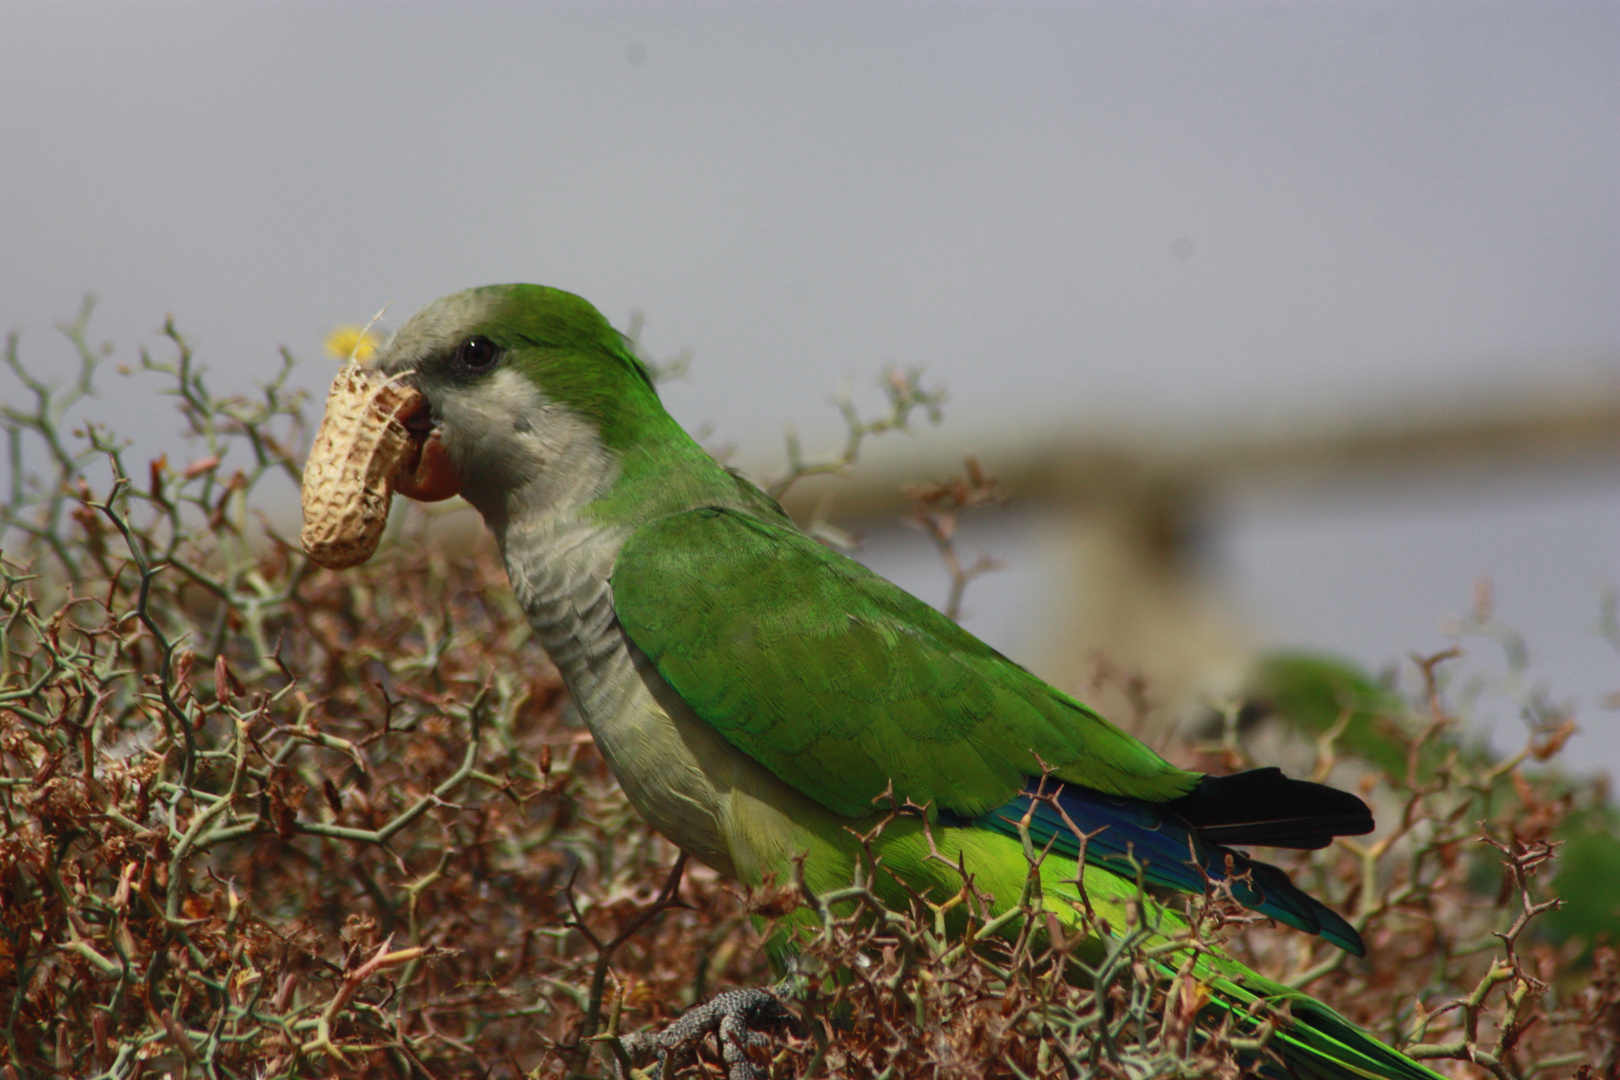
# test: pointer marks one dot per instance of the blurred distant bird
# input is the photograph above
(1312, 692)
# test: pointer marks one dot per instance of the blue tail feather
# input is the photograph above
(1170, 852)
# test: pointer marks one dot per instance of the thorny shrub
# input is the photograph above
(263, 819)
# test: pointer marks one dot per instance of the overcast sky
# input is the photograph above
(1071, 214)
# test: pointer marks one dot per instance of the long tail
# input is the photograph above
(1164, 847)
(1313, 1041)
(1174, 852)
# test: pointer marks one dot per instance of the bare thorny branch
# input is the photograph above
(258, 819)
(905, 394)
(936, 509)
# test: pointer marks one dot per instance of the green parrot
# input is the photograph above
(759, 696)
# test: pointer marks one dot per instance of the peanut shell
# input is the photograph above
(348, 483)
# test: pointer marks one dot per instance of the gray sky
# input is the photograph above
(1156, 213)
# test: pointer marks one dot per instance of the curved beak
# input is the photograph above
(427, 473)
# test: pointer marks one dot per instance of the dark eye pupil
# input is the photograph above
(477, 353)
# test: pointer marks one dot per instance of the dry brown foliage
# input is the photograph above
(262, 819)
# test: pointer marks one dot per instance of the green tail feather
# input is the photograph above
(1314, 1042)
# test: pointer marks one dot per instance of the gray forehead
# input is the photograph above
(436, 329)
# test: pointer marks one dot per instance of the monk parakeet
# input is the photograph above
(761, 697)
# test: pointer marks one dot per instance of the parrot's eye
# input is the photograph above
(477, 354)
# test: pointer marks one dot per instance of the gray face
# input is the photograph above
(517, 451)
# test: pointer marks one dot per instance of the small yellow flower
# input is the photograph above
(352, 343)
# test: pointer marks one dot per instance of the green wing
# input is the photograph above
(840, 682)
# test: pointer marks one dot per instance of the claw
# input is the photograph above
(740, 1018)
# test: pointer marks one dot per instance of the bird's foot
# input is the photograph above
(740, 1019)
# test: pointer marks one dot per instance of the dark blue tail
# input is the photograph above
(1170, 850)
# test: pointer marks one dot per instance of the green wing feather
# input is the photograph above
(840, 682)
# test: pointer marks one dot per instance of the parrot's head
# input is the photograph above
(528, 393)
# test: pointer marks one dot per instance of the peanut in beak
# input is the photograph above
(372, 441)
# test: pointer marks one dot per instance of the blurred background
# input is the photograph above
(1283, 325)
